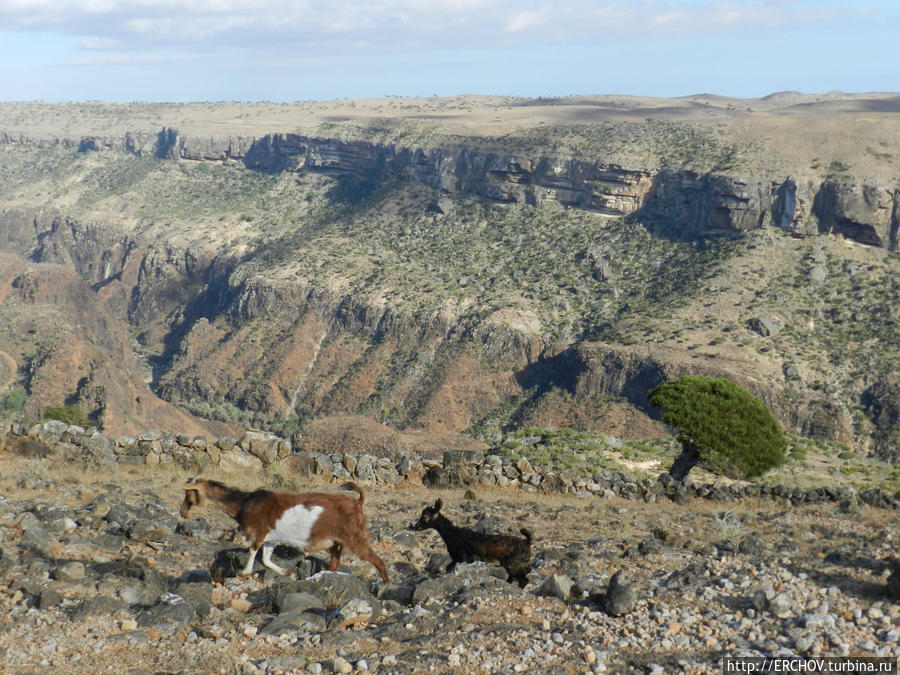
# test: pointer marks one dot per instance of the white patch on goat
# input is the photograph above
(294, 526)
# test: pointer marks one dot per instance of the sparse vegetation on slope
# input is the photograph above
(304, 275)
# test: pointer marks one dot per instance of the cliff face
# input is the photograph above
(225, 336)
(66, 328)
(689, 204)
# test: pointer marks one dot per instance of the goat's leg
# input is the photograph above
(519, 575)
(335, 550)
(363, 550)
(248, 568)
(267, 560)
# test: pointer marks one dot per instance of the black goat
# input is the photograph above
(467, 545)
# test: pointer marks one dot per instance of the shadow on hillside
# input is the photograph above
(556, 372)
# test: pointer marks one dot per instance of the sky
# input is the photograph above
(298, 50)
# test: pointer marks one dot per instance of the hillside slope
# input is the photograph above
(453, 275)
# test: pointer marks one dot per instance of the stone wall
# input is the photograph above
(256, 450)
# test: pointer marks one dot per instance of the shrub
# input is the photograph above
(13, 402)
(70, 414)
(721, 426)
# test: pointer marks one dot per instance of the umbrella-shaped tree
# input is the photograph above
(721, 427)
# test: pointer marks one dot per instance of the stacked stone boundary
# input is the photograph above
(257, 450)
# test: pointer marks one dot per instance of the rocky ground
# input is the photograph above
(98, 573)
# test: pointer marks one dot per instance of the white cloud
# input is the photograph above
(403, 24)
(122, 59)
(92, 42)
(527, 20)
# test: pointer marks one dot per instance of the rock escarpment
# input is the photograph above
(226, 336)
(690, 204)
(687, 203)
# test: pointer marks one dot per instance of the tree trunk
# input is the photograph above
(684, 462)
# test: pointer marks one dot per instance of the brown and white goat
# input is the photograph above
(467, 545)
(310, 522)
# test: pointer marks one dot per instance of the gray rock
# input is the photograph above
(141, 529)
(290, 622)
(760, 601)
(406, 539)
(764, 326)
(261, 445)
(781, 605)
(324, 465)
(131, 593)
(355, 611)
(751, 547)
(299, 602)
(804, 643)
(28, 520)
(386, 472)
(556, 586)
(462, 458)
(49, 597)
(56, 518)
(193, 527)
(621, 596)
(590, 585)
(437, 564)
(226, 443)
(365, 468)
(98, 606)
(463, 577)
(37, 540)
(70, 571)
(404, 464)
(51, 431)
(397, 594)
(198, 595)
(334, 588)
(98, 450)
(307, 567)
(121, 514)
(649, 546)
(819, 621)
(168, 618)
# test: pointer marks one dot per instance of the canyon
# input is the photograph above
(426, 277)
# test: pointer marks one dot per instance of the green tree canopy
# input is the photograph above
(721, 426)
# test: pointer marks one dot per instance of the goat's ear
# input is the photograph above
(437, 505)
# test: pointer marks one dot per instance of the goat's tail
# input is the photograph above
(355, 488)
(527, 534)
